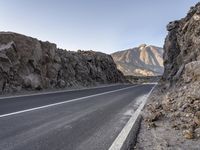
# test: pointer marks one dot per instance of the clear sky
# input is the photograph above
(102, 25)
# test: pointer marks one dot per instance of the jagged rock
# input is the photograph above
(182, 43)
(27, 63)
(180, 84)
(172, 25)
(61, 83)
(179, 90)
(188, 134)
(192, 71)
(5, 63)
(34, 81)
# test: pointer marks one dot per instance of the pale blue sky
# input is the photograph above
(102, 25)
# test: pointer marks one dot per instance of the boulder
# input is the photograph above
(192, 71)
(33, 81)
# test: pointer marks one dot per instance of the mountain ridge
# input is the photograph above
(144, 60)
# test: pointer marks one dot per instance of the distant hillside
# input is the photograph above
(140, 61)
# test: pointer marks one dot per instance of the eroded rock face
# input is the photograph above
(180, 101)
(182, 44)
(27, 63)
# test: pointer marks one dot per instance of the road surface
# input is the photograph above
(88, 119)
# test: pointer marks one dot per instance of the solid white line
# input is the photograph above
(124, 134)
(151, 83)
(64, 102)
(54, 92)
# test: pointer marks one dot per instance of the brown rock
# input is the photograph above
(181, 79)
(188, 134)
(197, 118)
(26, 62)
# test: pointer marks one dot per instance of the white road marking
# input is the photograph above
(54, 92)
(151, 83)
(64, 102)
(121, 139)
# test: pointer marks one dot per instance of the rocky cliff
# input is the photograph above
(140, 61)
(173, 111)
(27, 63)
(182, 72)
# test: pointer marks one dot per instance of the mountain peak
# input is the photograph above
(140, 61)
(141, 46)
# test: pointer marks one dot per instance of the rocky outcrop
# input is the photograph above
(140, 61)
(182, 44)
(27, 63)
(179, 102)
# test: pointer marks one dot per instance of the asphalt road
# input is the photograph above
(88, 119)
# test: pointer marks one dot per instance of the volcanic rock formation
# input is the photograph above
(173, 111)
(27, 63)
(172, 115)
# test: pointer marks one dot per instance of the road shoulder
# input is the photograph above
(128, 135)
(161, 135)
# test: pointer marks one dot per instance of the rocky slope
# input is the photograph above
(175, 113)
(140, 61)
(27, 63)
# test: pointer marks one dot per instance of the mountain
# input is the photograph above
(29, 64)
(140, 61)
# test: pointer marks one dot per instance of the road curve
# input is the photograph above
(81, 120)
